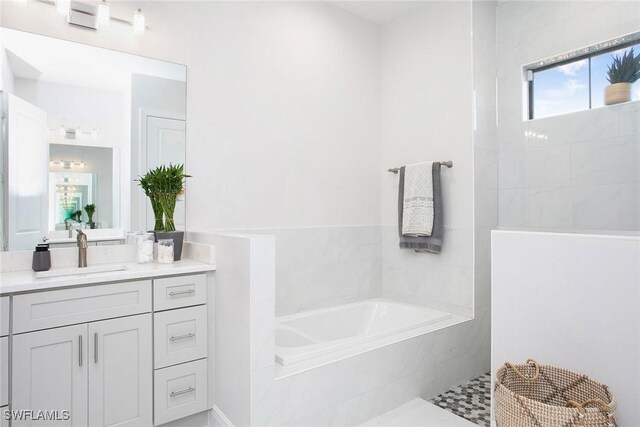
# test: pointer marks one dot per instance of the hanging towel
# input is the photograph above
(433, 243)
(417, 208)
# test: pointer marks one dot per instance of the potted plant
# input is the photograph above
(148, 184)
(622, 73)
(90, 209)
(163, 185)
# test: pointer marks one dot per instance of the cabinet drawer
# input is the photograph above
(69, 306)
(4, 371)
(180, 391)
(4, 316)
(180, 335)
(183, 291)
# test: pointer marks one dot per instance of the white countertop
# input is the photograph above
(26, 281)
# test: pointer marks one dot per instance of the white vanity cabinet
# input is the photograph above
(120, 378)
(4, 357)
(90, 350)
(180, 347)
(50, 373)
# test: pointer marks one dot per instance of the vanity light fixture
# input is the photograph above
(71, 133)
(103, 14)
(94, 14)
(67, 164)
(63, 7)
(138, 22)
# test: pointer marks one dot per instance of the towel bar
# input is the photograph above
(448, 164)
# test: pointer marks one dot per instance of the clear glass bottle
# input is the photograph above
(165, 251)
(144, 251)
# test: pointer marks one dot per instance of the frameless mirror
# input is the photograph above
(80, 124)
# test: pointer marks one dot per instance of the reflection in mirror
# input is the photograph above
(80, 176)
(82, 123)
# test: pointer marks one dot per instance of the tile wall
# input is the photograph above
(584, 173)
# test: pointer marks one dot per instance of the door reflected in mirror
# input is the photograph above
(82, 124)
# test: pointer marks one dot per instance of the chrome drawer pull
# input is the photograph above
(181, 337)
(186, 390)
(79, 350)
(186, 292)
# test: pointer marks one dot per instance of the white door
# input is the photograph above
(165, 143)
(121, 372)
(28, 160)
(49, 373)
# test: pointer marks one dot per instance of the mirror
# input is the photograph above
(80, 124)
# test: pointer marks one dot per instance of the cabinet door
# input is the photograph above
(121, 372)
(50, 374)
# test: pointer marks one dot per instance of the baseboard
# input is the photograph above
(219, 418)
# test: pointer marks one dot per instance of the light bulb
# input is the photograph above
(63, 6)
(104, 14)
(138, 22)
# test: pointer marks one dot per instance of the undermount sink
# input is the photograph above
(77, 271)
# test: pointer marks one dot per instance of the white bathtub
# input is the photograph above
(315, 333)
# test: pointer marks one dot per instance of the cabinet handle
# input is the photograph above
(79, 350)
(185, 292)
(95, 347)
(181, 337)
(179, 392)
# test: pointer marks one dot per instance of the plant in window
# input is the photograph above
(623, 71)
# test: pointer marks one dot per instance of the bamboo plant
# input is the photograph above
(148, 184)
(163, 185)
(90, 209)
(170, 183)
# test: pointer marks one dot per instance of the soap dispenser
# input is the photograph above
(41, 258)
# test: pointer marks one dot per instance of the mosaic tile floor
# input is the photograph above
(471, 401)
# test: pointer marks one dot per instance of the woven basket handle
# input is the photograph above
(526, 376)
(582, 411)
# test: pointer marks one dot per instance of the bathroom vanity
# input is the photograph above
(130, 347)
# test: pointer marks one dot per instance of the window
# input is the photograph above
(576, 81)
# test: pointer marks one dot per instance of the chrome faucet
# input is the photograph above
(69, 226)
(82, 248)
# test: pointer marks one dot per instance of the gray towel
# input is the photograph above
(433, 243)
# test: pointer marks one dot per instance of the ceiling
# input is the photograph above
(45, 58)
(379, 12)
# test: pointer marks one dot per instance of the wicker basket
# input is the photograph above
(533, 395)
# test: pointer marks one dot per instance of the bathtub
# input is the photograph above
(303, 336)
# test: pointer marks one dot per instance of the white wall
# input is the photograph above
(283, 109)
(586, 174)
(426, 107)
(570, 300)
